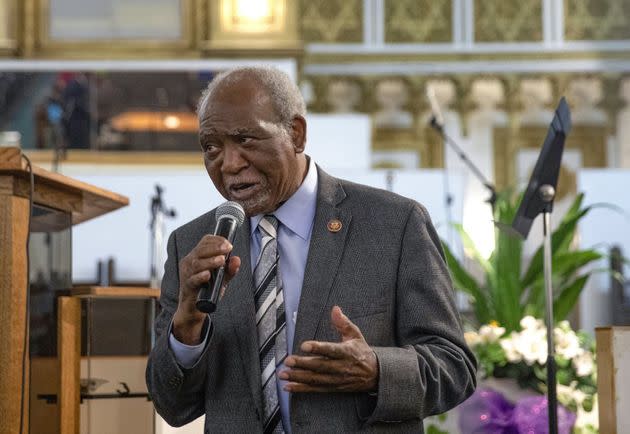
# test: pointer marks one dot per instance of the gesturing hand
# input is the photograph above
(346, 366)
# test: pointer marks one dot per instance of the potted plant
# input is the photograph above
(507, 333)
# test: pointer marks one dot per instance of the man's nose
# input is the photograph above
(233, 160)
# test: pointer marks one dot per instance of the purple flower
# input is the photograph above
(488, 412)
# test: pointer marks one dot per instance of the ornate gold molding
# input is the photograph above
(418, 21)
(597, 20)
(508, 21)
(332, 21)
(589, 139)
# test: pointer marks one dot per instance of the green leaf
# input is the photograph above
(564, 267)
(470, 248)
(464, 282)
(432, 429)
(560, 240)
(567, 298)
(505, 285)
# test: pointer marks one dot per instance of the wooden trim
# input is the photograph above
(84, 201)
(114, 292)
(69, 351)
(606, 380)
(14, 213)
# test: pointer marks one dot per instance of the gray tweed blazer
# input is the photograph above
(385, 268)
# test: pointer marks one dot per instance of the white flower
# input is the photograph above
(533, 347)
(570, 394)
(530, 323)
(472, 338)
(584, 364)
(567, 343)
(491, 333)
(511, 351)
(564, 326)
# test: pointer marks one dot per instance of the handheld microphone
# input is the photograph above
(229, 215)
(437, 120)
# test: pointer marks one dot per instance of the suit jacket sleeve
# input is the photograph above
(431, 370)
(177, 393)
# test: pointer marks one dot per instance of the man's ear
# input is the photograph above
(298, 133)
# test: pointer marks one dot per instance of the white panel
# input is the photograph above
(124, 234)
(339, 140)
(603, 228)
(373, 178)
(399, 159)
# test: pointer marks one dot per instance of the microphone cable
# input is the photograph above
(27, 319)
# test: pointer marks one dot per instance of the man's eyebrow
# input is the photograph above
(240, 130)
(231, 132)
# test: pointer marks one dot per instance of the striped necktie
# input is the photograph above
(270, 321)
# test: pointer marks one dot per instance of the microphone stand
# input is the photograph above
(158, 213)
(547, 194)
(437, 126)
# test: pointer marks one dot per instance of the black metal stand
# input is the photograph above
(547, 194)
(538, 199)
(464, 158)
(158, 213)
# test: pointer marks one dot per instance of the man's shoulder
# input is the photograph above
(197, 227)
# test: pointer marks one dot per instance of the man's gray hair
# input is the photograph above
(283, 92)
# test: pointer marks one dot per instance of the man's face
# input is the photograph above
(250, 158)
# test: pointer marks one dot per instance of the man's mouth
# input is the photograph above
(242, 190)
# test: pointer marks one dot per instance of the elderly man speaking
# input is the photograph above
(337, 314)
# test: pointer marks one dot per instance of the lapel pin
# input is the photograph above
(334, 225)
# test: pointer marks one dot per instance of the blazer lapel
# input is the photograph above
(325, 251)
(241, 292)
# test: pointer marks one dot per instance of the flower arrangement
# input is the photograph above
(521, 355)
(510, 340)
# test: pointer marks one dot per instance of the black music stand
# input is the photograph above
(538, 198)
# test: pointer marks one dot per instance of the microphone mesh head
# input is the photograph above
(230, 209)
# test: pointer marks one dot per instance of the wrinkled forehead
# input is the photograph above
(241, 104)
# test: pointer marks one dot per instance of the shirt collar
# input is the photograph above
(298, 211)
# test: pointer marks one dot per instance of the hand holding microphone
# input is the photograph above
(205, 272)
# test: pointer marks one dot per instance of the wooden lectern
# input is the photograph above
(64, 198)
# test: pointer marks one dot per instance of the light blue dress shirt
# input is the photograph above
(295, 218)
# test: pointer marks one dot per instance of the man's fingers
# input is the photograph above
(319, 364)
(300, 387)
(315, 378)
(232, 267)
(198, 265)
(212, 245)
(346, 328)
(196, 280)
(332, 350)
